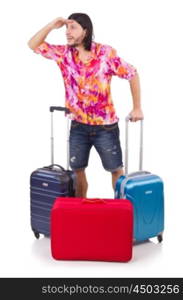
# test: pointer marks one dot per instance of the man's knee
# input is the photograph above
(80, 172)
(117, 172)
(115, 175)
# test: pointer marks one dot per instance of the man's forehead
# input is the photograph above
(73, 22)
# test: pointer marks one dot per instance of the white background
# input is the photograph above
(147, 34)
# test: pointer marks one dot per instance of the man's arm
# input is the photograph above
(136, 113)
(40, 36)
(121, 68)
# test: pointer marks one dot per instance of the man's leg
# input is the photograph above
(115, 175)
(107, 144)
(79, 155)
(81, 183)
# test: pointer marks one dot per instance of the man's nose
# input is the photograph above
(67, 32)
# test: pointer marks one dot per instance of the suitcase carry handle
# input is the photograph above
(93, 201)
(67, 111)
(138, 173)
(54, 165)
(127, 119)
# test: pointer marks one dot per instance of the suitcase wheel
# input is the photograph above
(46, 236)
(37, 235)
(160, 238)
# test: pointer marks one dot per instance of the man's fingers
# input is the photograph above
(131, 118)
(135, 119)
(68, 21)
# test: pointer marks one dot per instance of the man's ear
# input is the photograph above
(85, 32)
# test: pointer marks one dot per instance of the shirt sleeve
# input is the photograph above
(55, 52)
(119, 67)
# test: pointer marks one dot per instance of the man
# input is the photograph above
(87, 68)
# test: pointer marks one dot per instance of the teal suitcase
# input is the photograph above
(146, 192)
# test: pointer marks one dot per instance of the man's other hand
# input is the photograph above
(136, 115)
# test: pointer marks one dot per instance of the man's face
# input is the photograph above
(75, 33)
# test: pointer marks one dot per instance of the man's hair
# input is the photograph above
(85, 21)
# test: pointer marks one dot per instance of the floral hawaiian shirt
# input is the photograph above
(87, 84)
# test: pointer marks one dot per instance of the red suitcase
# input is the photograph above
(92, 229)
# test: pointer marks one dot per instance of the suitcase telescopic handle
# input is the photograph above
(67, 111)
(60, 108)
(127, 119)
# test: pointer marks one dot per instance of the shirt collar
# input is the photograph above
(93, 49)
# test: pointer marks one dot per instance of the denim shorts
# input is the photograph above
(105, 139)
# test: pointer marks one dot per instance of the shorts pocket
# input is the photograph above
(74, 124)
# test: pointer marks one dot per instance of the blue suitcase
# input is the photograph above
(146, 192)
(46, 184)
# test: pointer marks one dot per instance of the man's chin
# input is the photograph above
(71, 44)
